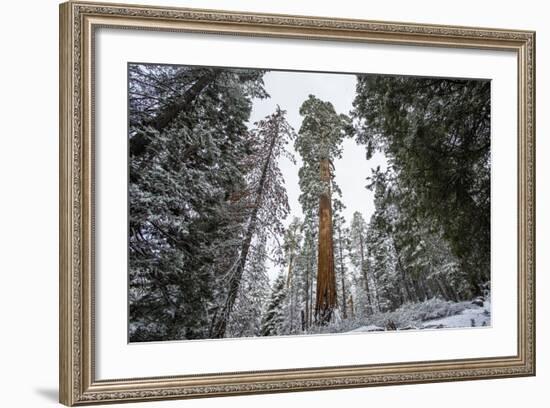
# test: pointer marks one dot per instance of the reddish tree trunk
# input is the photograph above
(326, 278)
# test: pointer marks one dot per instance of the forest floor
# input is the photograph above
(431, 314)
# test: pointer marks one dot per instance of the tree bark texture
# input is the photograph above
(326, 279)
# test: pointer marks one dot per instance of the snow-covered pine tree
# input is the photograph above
(386, 261)
(436, 134)
(254, 290)
(189, 145)
(273, 322)
(409, 253)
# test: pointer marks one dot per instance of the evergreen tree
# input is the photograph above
(274, 318)
(436, 134)
(319, 142)
(207, 203)
(383, 255)
(408, 253)
(246, 317)
(186, 167)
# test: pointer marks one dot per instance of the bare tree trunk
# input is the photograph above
(310, 270)
(374, 288)
(290, 287)
(406, 290)
(407, 294)
(326, 279)
(306, 325)
(342, 275)
(289, 273)
(364, 272)
(351, 307)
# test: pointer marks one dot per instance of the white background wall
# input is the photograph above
(28, 203)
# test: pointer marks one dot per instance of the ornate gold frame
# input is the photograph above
(78, 20)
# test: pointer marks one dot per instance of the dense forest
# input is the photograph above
(209, 213)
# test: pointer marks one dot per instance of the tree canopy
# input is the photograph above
(435, 134)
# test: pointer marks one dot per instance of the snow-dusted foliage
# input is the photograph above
(274, 318)
(435, 134)
(208, 208)
(265, 202)
(433, 313)
(190, 166)
(246, 317)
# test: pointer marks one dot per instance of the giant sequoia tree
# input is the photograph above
(319, 143)
(435, 134)
(207, 203)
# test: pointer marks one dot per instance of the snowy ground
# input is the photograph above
(432, 314)
(474, 317)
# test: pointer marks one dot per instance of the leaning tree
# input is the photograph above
(266, 200)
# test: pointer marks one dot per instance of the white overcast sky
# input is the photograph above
(289, 90)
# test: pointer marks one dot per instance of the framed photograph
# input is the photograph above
(256, 203)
